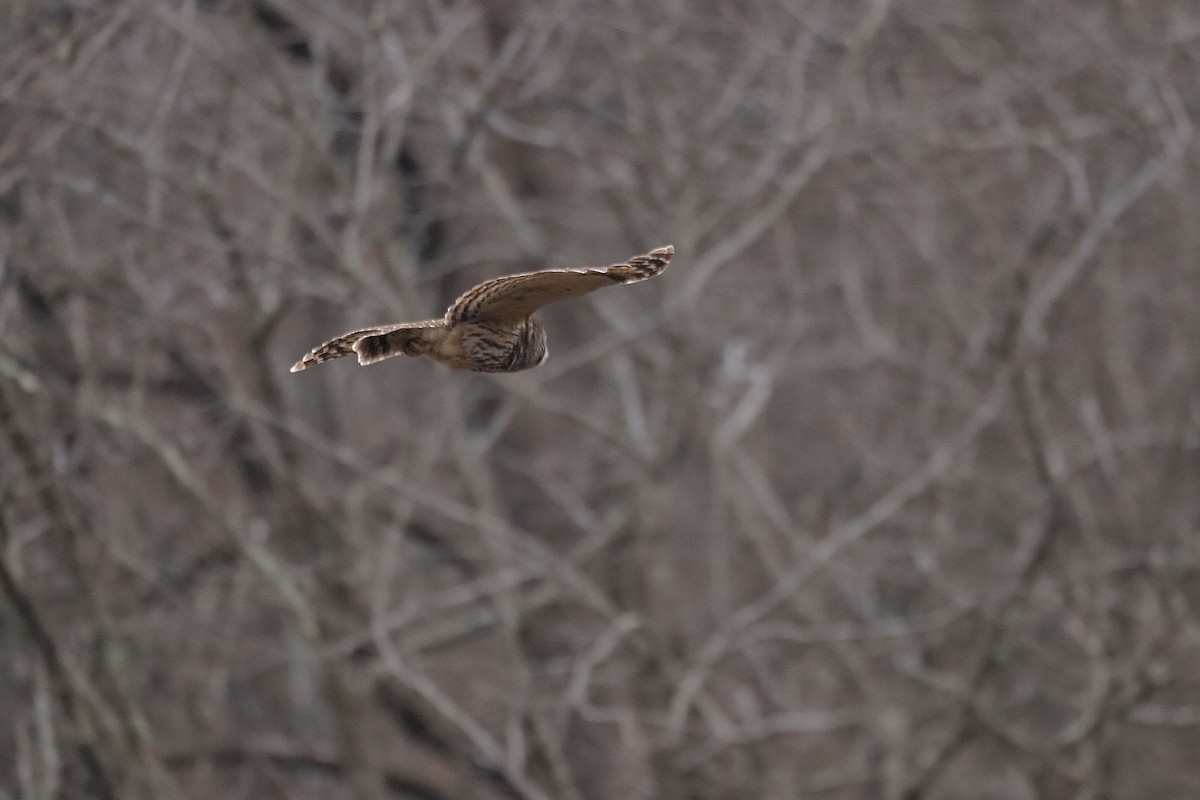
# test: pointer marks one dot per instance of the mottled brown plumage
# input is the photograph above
(491, 328)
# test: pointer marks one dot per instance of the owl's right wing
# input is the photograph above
(514, 297)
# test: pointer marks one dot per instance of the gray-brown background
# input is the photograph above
(888, 488)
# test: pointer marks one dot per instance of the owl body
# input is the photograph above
(485, 347)
(491, 328)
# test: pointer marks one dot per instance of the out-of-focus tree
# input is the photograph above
(889, 487)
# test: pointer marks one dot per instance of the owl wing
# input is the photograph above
(375, 344)
(515, 297)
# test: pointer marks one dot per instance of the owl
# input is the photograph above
(491, 328)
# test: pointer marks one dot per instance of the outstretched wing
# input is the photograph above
(512, 298)
(413, 339)
(375, 344)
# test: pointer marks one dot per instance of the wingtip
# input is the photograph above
(299, 365)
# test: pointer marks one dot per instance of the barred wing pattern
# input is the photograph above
(515, 297)
(365, 343)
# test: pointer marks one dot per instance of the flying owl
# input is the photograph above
(491, 328)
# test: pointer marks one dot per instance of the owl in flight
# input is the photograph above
(491, 328)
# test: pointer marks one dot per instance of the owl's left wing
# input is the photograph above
(376, 344)
(515, 297)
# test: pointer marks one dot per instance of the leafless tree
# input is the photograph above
(888, 488)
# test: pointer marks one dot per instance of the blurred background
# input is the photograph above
(888, 488)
